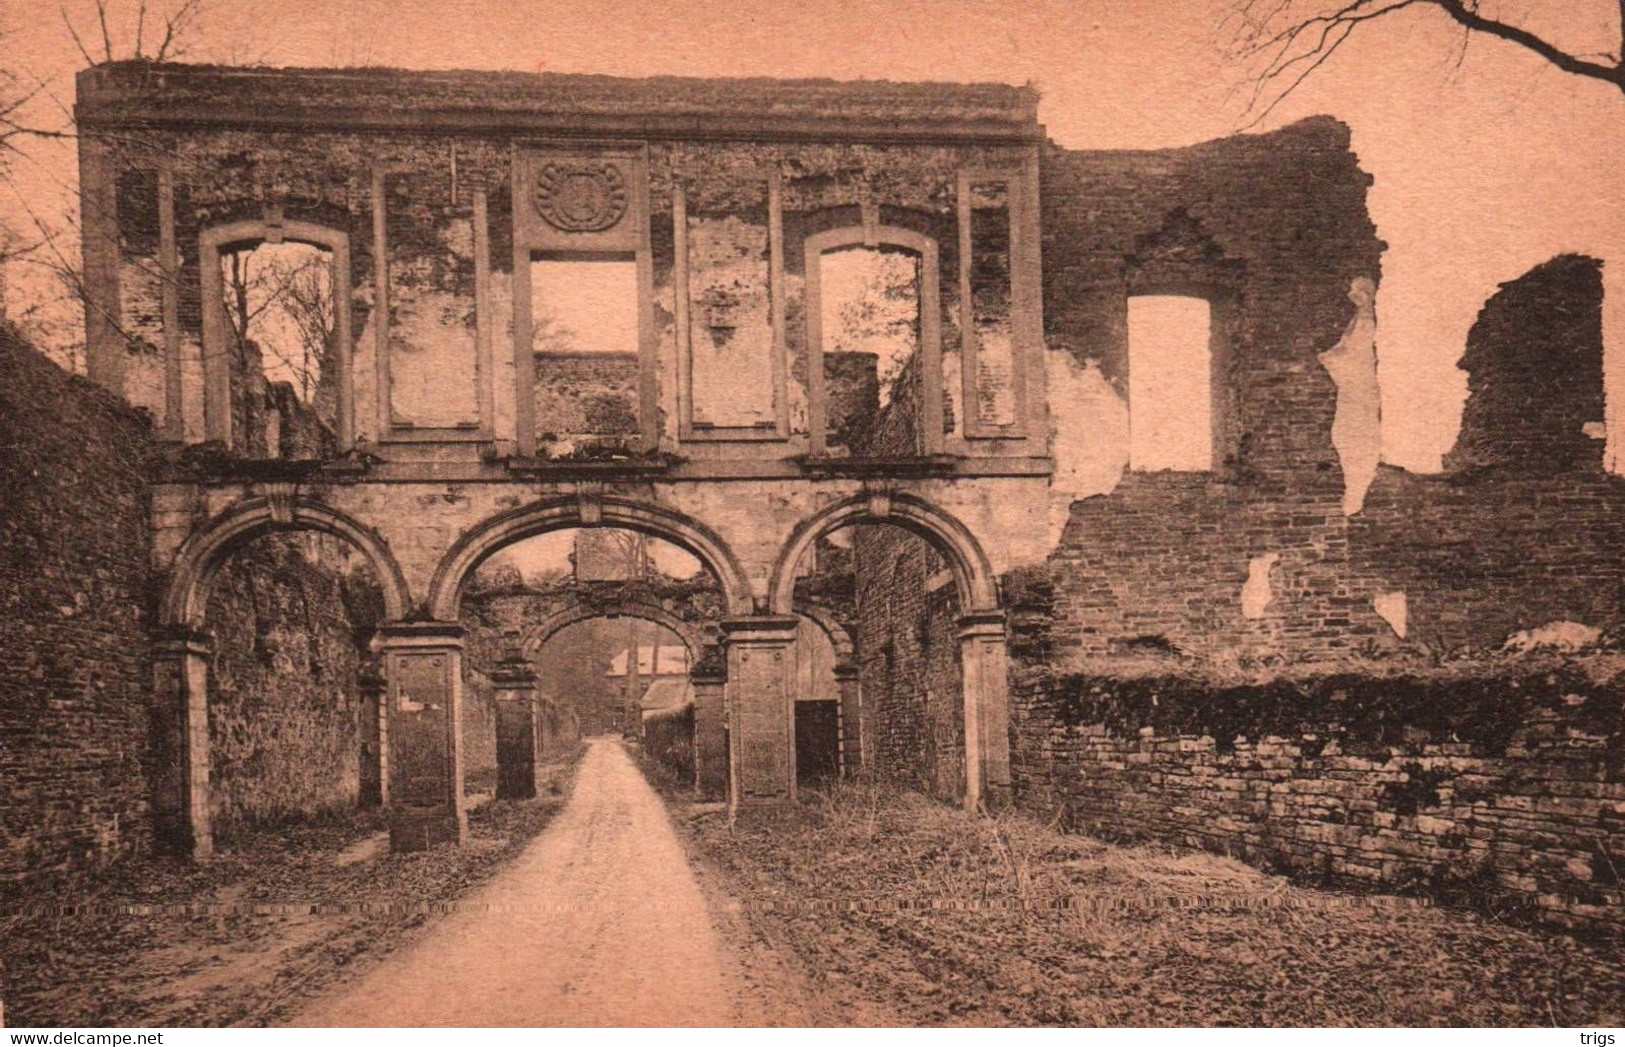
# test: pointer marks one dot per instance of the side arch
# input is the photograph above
(205, 551)
(470, 550)
(647, 610)
(839, 637)
(972, 571)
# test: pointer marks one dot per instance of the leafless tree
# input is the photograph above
(33, 110)
(1284, 42)
(176, 25)
(284, 307)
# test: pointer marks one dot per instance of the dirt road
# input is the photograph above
(600, 922)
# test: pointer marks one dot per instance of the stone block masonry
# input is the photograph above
(1497, 787)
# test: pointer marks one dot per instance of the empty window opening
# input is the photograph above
(1170, 383)
(281, 318)
(869, 312)
(584, 319)
(584, 305)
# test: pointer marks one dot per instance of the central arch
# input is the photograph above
(485, 539)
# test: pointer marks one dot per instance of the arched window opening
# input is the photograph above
(281, 317)
(870, 317)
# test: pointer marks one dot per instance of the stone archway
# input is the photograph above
(181, 662)
(973, 572)
(423, 660)
(648, 610)
(479, 543)
(203, 553)
(983, 654)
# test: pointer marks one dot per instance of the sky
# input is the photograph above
(1484, 166)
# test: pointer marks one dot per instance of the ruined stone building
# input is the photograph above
(1067, 461)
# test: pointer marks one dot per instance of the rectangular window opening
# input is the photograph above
(1170, 383)
(870, 313)
(586, 336)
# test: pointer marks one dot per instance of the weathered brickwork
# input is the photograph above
(1524, 528)
(908, 657)
(1271, 229)
(284, 701)
(1169, 584)
(76, 676)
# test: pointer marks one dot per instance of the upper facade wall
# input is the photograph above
(688, 212)
(1271, 229)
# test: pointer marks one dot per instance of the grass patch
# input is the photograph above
(894, 901)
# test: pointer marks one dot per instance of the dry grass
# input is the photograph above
(894, 900)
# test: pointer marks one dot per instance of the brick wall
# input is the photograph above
(1525, 527)
(285, 742)
(74, 599)
(908, 658)
(1271, 229)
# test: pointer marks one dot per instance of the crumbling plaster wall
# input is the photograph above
(1272, 230)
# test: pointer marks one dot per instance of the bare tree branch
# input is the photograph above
(74, 33)
(1287, 41)
(107, 38)
(1467, 14)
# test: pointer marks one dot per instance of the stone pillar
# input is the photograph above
(374, 725)
(846, 681)
(761, 714)
(517, 742)
(423, 664)
(180, 695)
(710, 732)
(987, 709)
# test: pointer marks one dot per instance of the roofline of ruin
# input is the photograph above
(128, 94)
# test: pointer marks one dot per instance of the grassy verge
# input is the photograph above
(897, 904)
(253, 934)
